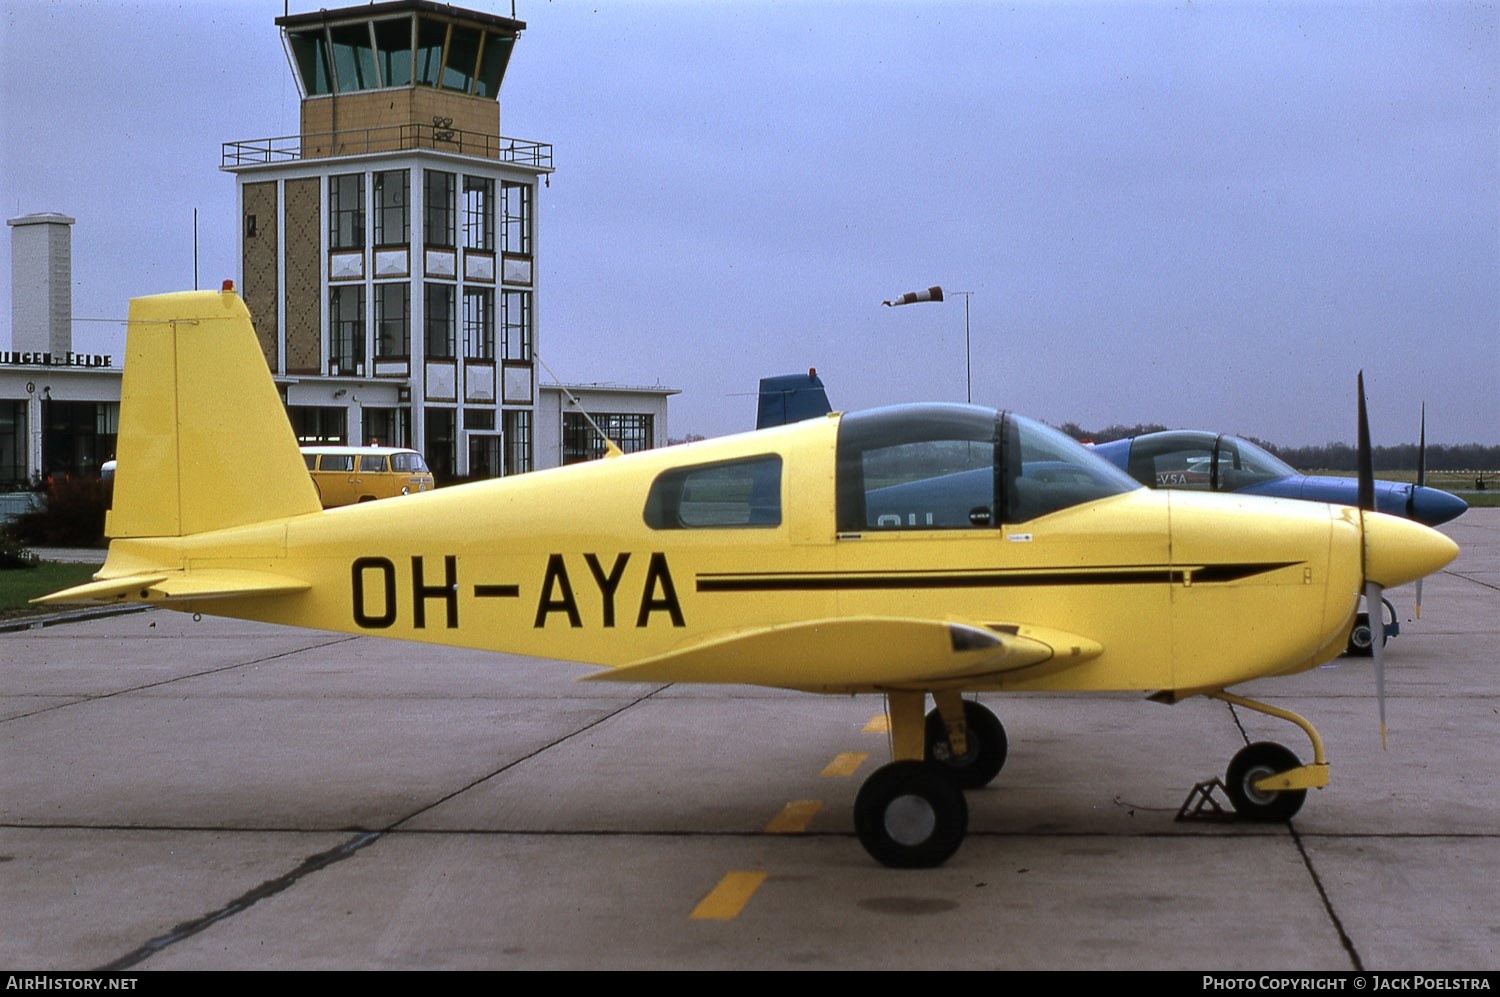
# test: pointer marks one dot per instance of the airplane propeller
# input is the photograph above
(1421, 481)
(1373, 589)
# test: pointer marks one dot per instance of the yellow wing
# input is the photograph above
(860, 653)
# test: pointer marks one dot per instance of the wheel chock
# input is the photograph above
(1201, 805)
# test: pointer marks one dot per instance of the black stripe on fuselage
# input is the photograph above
(878, 580)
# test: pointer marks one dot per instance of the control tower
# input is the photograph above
(388, 251)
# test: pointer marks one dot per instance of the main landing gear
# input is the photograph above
(911, 813)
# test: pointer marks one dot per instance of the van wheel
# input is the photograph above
(366, 498)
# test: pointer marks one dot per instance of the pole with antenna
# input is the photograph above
(611, 448)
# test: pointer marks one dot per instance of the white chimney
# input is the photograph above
(41, 283)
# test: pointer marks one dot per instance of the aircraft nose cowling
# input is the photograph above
(1398, 551)
(1433, 505)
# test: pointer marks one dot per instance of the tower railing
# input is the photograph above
(385, 138)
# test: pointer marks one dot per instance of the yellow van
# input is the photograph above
(346, 475)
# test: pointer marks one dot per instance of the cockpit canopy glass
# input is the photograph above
(1202, 461)
(935, 467)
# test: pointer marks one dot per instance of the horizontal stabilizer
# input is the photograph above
(204, 583)
(861, 653)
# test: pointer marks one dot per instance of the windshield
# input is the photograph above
(1044, 470)
(1241, 463)
(408, 463)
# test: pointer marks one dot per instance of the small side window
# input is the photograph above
(311, 460)
(372, 464)
(734, 494)
(336, 462)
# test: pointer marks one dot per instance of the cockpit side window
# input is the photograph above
(943, 467)
(1179, 459)
(724, 495)
(916, 467)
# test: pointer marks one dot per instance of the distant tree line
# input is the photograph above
(1401, 457)
(1333, 456)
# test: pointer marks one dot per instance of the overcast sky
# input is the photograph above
(1205, 214)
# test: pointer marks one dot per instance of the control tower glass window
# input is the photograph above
(479, 323)
(479, 210)
(346, 211)
(355, 54)
(463, 56)
(393, 51)
(515, 323)
(392, 220)
(515, 218)
(439, 324)
(393, 320)
(515, 427)
(438, 195)
(310, 50)
(492, 62)
(430, 38)
(346, 328)
(353, 57)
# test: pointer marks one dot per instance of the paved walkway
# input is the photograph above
(70, 555)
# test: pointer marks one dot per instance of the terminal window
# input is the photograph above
(346, 211)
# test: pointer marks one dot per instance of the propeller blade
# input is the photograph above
(1375, 606)
(1366, 459)
(1411, 503)
(1422, 450)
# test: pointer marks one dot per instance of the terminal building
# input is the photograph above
(389, 258)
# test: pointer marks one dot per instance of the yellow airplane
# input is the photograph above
(919, 550)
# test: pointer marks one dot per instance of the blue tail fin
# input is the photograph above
(791, 398)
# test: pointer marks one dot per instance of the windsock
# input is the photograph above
(912, 297)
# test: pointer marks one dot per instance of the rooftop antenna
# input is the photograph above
(611, 448)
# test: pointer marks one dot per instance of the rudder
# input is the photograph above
(204, 440)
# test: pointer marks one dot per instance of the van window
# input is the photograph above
(336, 462)
(408, 463)
(372, 463)
(311, 459)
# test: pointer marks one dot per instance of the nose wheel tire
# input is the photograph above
(1256, 762)
(1361, 638)
(910, 815)
(987, 747)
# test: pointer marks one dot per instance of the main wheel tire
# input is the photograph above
(987, 747)
(1256, 762)
(910, 815)
(1361, 638)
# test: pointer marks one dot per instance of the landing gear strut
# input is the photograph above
(1265, 781)
(911, 813)
(1362, 637)
(985, 748)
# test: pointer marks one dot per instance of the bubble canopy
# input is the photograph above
(402, 44)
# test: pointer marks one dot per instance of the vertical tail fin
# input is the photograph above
(791, 398)
(204, 440)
